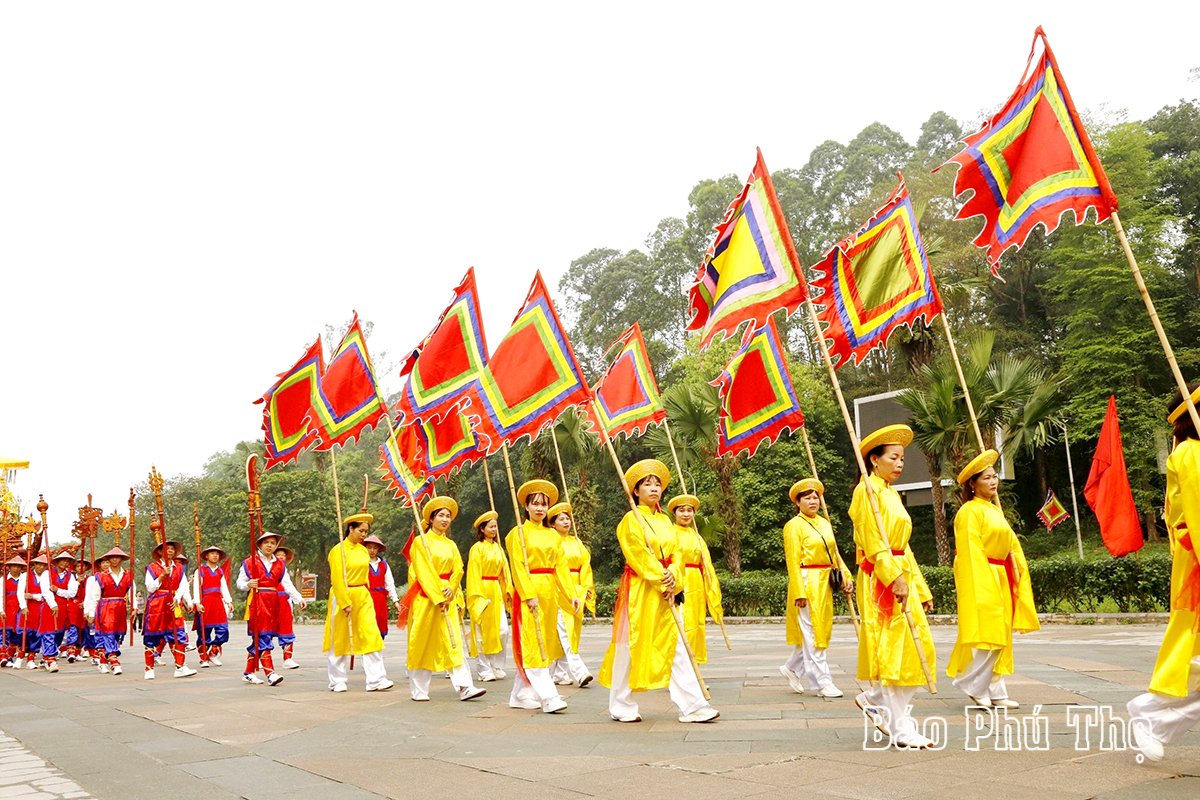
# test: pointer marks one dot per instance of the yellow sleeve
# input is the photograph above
(520, 572)
(474, 571)
(587, 580)
(562, 579)
(337, 579)
(791, 556)
(970, 562)
(421, 570)
(1189, 491)
(456, 572)
(633, 546)
(712, 586)
(869, 538)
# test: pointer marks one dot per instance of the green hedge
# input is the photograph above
(1060, 584)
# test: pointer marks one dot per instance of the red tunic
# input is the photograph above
(269, 611)
(160, 605)
(111, 611)
(51, 622)
(12, 605)
(376, 582)
(210, 596)
(73, 606)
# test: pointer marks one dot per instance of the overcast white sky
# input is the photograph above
(190, 192)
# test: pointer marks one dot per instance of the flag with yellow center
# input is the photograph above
(758, 400)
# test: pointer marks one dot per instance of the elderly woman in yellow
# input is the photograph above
(540, 583)
(991, 581)
(489, 593)
(646, 651)
(811, 553)
(1172, 706)
(435, 573)
(350, 627)
(888, 575)
(570, 668)
(701, 589)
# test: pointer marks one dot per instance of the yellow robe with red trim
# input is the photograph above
(886, 651)
(544, 551)
(582, 585)
(804, 543)
(699, 595)
(646, 622)
(486, 599)
(987, 615)
(1181, 642)
(432, 644)
(350, 591)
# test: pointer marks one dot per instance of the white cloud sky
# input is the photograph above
(189, 193)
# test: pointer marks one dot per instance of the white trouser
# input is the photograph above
(372, 664)
(570, 666)
(1165, 716)
(419, 679)
(495, 661)
(538, 689)
(896, 699)
(684, 689)
(979, 679)
(808, 661)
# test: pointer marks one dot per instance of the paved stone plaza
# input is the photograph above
(212, 736)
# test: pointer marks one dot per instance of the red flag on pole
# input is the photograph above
(1107, 490)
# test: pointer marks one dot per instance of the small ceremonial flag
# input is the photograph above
(448, 361)
(1052, 511)
(758, 400)
(751, 269)
(349, 400)
(1031, 162)
(288, 406)
(400, 461)
(627, 396)
(531, 378)
(1107, 490)
(875, 281)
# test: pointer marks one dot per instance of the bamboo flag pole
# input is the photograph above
(675, 456)
(487, 477)
(512, 490)
(862, 466)
(337, 502)
(962, 381)
(1074, 502)
(1158, 328)
(562, 476)
(812, 464)
(646, 535)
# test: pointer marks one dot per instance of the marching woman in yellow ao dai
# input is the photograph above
(570, 668)
(646, 651)
(540, 584)
(889, 581)
(435, 574)
(811, 553)
(991, 581)
(1172, 706)
(350, 627)
(489, 594)
(701, 589)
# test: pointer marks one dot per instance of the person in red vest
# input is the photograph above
(380, 582)
(53, 626)
(167, 597)
(213, 606)
(265, 576)
(36, 599)
(287, 631)
(10, 612)
(105, 609)
(77, 638)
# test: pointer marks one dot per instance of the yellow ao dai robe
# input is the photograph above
(488, 583)
(539, 569)
(348, 589)
(808, 543)
(432, 644)
(580, 582)
(701, 589)
(1173, 673)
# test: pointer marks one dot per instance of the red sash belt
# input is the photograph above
(542, 571)
(443, 576)
(577, 570)
(885, 599)
(821, 566)
(1188, 598)
(491, 577)
(1010, 569)
(694, 566)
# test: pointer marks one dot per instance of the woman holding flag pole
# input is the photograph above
(701, 589)
(489, 596)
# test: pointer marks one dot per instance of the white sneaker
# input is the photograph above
(528, 705)
(553, 704)
(487, 677)
(214, 660)
(18, 664)
(203, 665)
(290, 663)
(634, 718)
(382, 687)
(184, 672)
(1146, 744)
(338, 688)
(564, 682)
(71, 659)
(149, 675)
(586, 680)
(103, 669)
(95, 662)
(471, 692)
(706, 714)
(274, 679)
(911, 740)
(250, 677)
(52, 667)
(31, 664)
(116, 670)
(159, 660)
(792, 678)
(830, 691)
(500, 674)
(1005, 702)
(873, 713)
(982, 702)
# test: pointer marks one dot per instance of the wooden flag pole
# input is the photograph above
(487, 478)
(812, 464)
(337, 502)
(646, 535)
(535, 612)
(1158, 328)
(558, 458)
(1074, 502)
(962, 381)
(862, 466)
(675, 456)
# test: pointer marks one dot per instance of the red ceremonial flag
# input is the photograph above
(627, 396)
(531, 379)
(349, 400)
(288, 408)
(401, 461)
(1031, 163)
(1107, 490)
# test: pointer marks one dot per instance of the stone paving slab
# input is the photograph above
(213, 737)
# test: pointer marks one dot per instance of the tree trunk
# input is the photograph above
(1039, 471)
(940, 535)
(730, 511)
